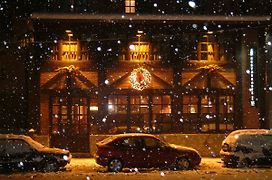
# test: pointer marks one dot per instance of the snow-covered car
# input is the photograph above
(22, 152)
(139, 150)
(243, 148)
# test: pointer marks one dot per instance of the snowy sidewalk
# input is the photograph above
(87, 169)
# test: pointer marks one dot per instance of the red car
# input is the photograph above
(143, 151)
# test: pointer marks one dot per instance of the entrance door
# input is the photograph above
(139, 112)
(69, 123)
(208, 113)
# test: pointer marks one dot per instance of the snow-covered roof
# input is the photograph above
(134, 134)
(251, 131)
(148, 17)
(112, 137)
(244, 133)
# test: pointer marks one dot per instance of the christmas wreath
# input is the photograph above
(140, 78)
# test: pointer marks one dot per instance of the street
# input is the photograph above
(87, 169)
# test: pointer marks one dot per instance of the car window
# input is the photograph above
(130, 142)
(35, 144)
(2, 146)
(267, 141)
(17, 146)
(151, 142)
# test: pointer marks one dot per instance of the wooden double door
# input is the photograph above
(69, 123)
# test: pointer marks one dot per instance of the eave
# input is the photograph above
(150, 18)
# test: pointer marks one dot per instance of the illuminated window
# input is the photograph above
(27, 39)
(69, 50)
(226, 104)
(207, 49)
(117, 104)
(139, 50)
(139, 104)
(79, 115)
(130, 6)
(209, 112)
(161, 113)
(161, 104)
(190, 104)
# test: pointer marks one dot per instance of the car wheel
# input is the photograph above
(183, 163)
(115, 165)
(50, 165)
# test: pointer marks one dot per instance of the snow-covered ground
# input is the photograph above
(87, 169)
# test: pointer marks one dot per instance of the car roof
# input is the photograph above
(134, 135)
(119, 136)
(251, 131)
(13, 136)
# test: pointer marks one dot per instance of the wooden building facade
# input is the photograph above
(141, 82)
(138, 68)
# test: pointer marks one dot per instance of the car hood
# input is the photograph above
(54, 150)
(183, 148)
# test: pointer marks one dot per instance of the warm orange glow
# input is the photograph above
(208, 48)
(69, 50)
(140, 79)
(139, 51)
(130, 6)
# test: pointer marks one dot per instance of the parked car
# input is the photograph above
(243, 148)
(143, 151)
(22, 152)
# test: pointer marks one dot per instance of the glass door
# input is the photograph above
(139, 112)
(69, 126)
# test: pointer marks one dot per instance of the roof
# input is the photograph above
(148, 17)
(68, 78)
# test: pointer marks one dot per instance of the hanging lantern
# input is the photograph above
(140, 78)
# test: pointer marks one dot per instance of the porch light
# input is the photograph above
(93, 108)
(132, 47)
(110, 106)
(69, 34)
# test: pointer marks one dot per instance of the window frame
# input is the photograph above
(130, 6)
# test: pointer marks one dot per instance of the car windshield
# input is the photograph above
(107, 140)
(163, 142)
(35, 144)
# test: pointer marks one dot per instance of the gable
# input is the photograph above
(63, 80)
(123, 82)
(208, 79)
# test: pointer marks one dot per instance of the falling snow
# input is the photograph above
(28, 45)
